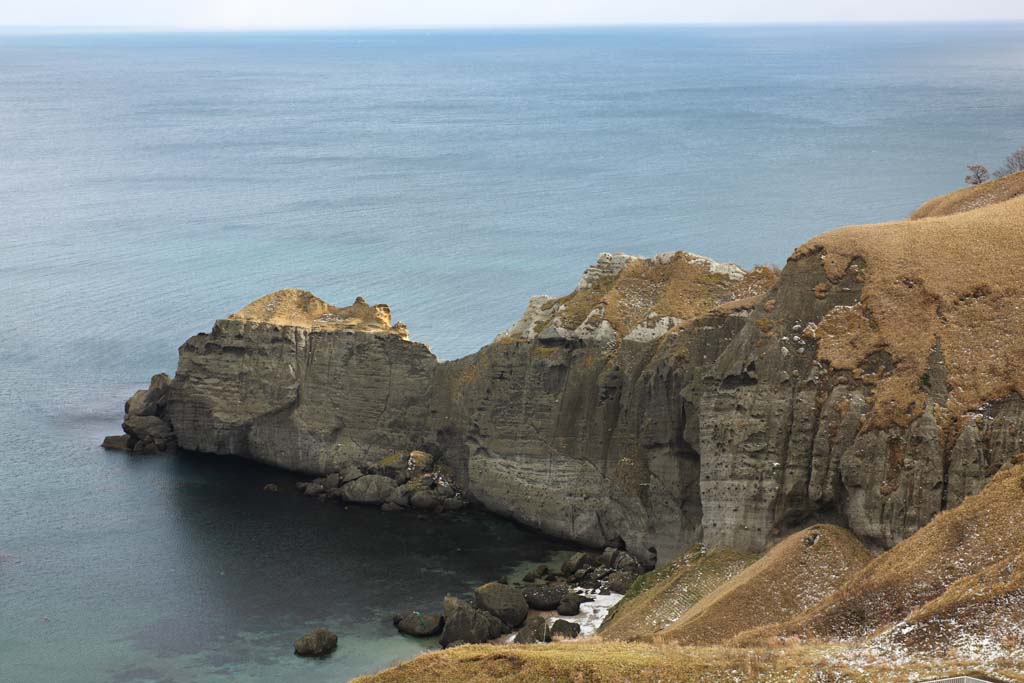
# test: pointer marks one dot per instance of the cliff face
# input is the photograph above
(873, 383)
(311, 393)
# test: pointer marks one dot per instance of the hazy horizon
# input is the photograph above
(153, 28)
(264, 15)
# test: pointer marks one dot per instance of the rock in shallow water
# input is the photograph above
(373, 489)
(316, 643)
(120, 442)
(419, 624)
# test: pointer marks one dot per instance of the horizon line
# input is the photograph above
(155, 29)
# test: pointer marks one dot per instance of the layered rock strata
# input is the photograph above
(874, 383)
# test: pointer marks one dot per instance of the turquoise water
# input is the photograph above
(151, 183)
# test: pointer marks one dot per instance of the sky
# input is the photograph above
(271, 14)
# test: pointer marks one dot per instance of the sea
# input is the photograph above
(151, 183)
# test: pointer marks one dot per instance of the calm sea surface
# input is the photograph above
(151, 183)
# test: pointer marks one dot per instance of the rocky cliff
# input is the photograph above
(874, 382)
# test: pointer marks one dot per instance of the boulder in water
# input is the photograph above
(419, 624)
(316, 643)
(373, 489)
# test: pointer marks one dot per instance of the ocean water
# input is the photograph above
(152, 183)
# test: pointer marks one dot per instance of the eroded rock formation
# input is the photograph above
(873, 383)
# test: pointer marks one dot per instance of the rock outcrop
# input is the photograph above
(873, 383)
(146, 426)
(294, 382)
(464, 623)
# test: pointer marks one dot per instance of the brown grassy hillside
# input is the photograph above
(974, 197)
(597, 661)
(659, 598)
(971, 544)
(952, 283)
(792, 577)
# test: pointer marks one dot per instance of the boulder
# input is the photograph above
(609, 556)
(332, 481)
(151, 401)
(453, 504)
(576, 562)
(424, 500)
(399, 497)
(419, 624)
(464, 623)
(444, 490)
(419, 462)
(564, 630)
(569, 605)
(151, 434)
(536, 573)
(545, 597)
(503, 601)
(121, 442)
(627, 564)
(271, 488)
(350, 473)
(388, 506)
(619, 582)
(314, 489)
(535, 630)
(372, 489)
(316, 643)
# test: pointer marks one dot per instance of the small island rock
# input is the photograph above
(316, 643)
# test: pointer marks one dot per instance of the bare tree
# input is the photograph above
(1014, 163)
(978, 174)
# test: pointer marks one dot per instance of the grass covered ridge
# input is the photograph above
(974, 197)
(795, 575)
(950, 285)
(659, 598)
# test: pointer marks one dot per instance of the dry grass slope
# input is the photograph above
(681, 287)
(596, 661)
(953, 283)
(299, 308)
(659, 598)
(974, 197)
(954, 552)
(792, 577)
